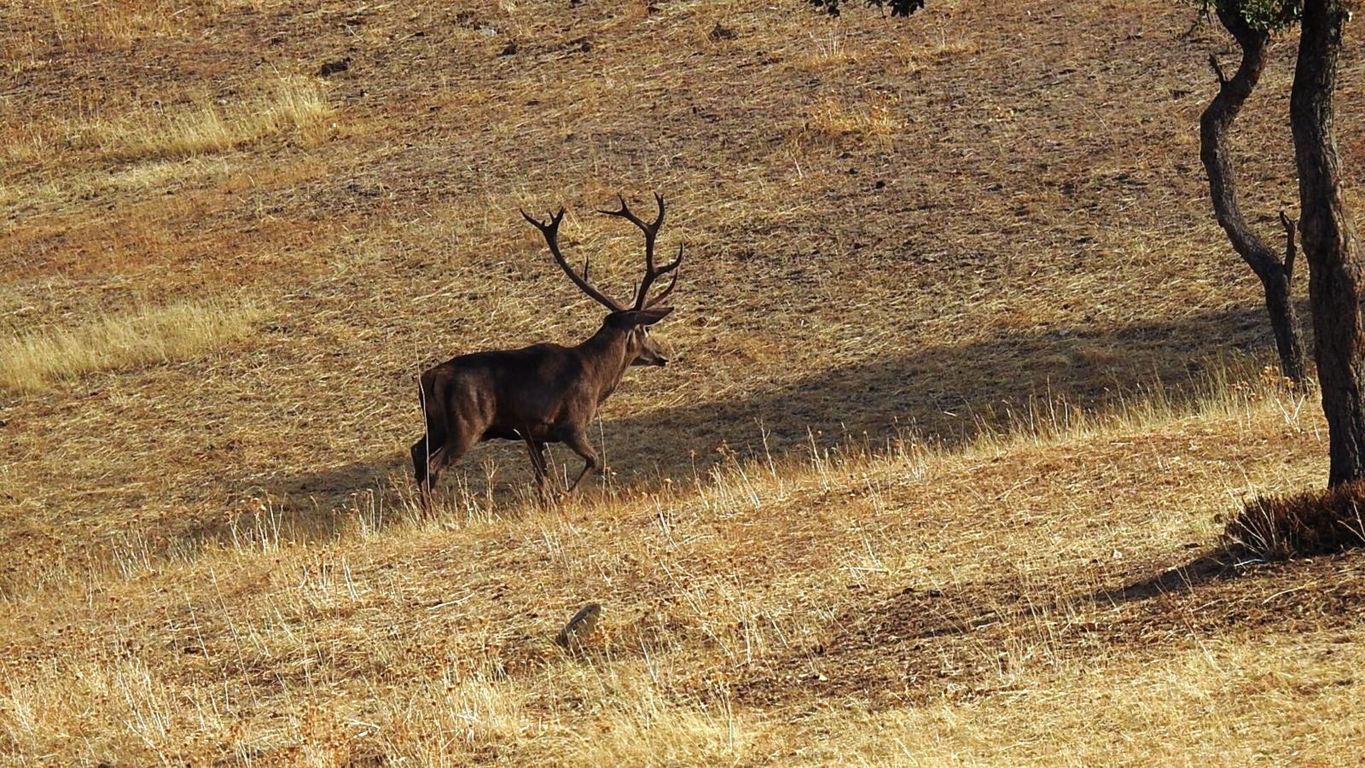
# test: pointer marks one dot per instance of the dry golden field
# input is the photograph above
(965, 382)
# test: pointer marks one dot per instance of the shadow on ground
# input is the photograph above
(946, 394)
(942, 393)
(922, 645)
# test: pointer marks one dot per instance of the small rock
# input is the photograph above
(579, 627)
(334, 67)
(719, 33)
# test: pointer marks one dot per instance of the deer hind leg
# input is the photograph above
(428, 449)
(449, 451)
(426, 467)
(578, 442)
(419, 463)
(456, 446)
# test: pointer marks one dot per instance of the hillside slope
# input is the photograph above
(964, 373)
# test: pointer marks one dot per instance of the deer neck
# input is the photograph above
(604, 357)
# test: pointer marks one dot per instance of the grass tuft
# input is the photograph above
(30, 362)
(1311, 523)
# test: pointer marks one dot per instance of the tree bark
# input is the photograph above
(1329, 242)
(1276, 276)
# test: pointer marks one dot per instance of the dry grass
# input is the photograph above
(937, 53)
(966, 381)
(829, 50)
(294, 107)
(116, 24)
(756, 616)
(31, 361)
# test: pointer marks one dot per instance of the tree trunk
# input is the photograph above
(1276, 276)
(1329, 243)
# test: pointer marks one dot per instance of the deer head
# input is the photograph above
(645, 311)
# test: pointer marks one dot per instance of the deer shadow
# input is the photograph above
(1219, 564)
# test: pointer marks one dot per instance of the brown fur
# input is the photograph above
(544, 393)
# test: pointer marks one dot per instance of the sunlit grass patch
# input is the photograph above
(105, 25)
(108, 25)
(917, 58)
(31, 361)
(834, 120)
(70, 192)
(297, 107)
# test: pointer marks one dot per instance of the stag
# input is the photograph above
(544, 393)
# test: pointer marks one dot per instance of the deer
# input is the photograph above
(544, 393)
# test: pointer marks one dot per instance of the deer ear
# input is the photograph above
(633, 317)
(652, 316)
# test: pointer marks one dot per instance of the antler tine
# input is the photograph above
(651, 232)
(546, 228)
(652, 273)
(672, 266)
(550, 230)
(651, 229)
(624, 212)
(659, 220)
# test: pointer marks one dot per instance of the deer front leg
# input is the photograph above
(539, 465)
(578, 442)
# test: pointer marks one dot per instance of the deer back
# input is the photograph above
(536, 389)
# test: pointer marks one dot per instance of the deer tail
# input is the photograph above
(433, 410)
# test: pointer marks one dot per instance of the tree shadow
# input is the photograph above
(1218, 565)
(927, 614)
(923, 644)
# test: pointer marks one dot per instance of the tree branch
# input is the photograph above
(1217, 70)
(1214, 125)
(897, 7)
(1290, 250)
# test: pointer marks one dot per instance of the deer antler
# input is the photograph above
(550, 230)
(651, 230)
